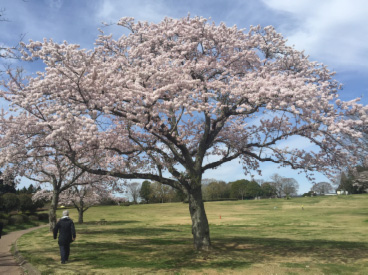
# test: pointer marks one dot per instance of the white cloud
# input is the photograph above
(334, 31)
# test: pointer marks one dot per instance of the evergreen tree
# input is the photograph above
(180, 196)
(253, 189)
(145, 192)
(268, 190)
(238, 189)
(10, 202)
(31, 189)
(6, 188)
(346, 183)
(216, 190)
(26, 203)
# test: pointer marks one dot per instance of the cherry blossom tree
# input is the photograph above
(82, 197)
(39, 159)
(41, 165)
(360, 180)
(60, 174)
(172, 100)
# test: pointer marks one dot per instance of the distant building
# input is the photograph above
(342, 192)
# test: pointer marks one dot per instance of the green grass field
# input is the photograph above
(271, 236)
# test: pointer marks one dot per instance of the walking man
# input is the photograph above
(66, 229)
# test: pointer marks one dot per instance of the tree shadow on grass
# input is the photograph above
(134, 231)
(156, 248)
(173, 253)
(97, 222)
(151, 253)
(257, 248)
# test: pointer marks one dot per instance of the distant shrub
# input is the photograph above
(310, 194)
(26, 203)
(39, 203)
(108, 201)
(18, 219)
(10, 202)
(33, 217)
(4, 221)
(221, 199)
(43, 216)
(3, 216)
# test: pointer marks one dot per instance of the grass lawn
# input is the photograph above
(271, 236)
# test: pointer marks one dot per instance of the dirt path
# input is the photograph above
(8, 264)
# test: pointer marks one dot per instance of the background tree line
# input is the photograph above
(354, 182)
(12, 199)
(212, 190)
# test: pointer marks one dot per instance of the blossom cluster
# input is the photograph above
(168, 95)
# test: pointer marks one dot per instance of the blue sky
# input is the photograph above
(334, 32)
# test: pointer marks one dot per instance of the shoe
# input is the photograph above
(63, 262)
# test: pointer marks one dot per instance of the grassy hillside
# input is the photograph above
(330, 236)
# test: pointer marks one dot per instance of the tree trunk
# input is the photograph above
(52, 211)
(80, 215)
(200, 228)
(80, 212)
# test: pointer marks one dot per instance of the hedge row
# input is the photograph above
(16, 219)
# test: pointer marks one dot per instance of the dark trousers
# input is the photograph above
(64, 251)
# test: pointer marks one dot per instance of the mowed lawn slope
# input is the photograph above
(270, 236)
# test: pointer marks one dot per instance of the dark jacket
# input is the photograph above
(66, 229)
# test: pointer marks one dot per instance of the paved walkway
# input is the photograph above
(8, 264)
